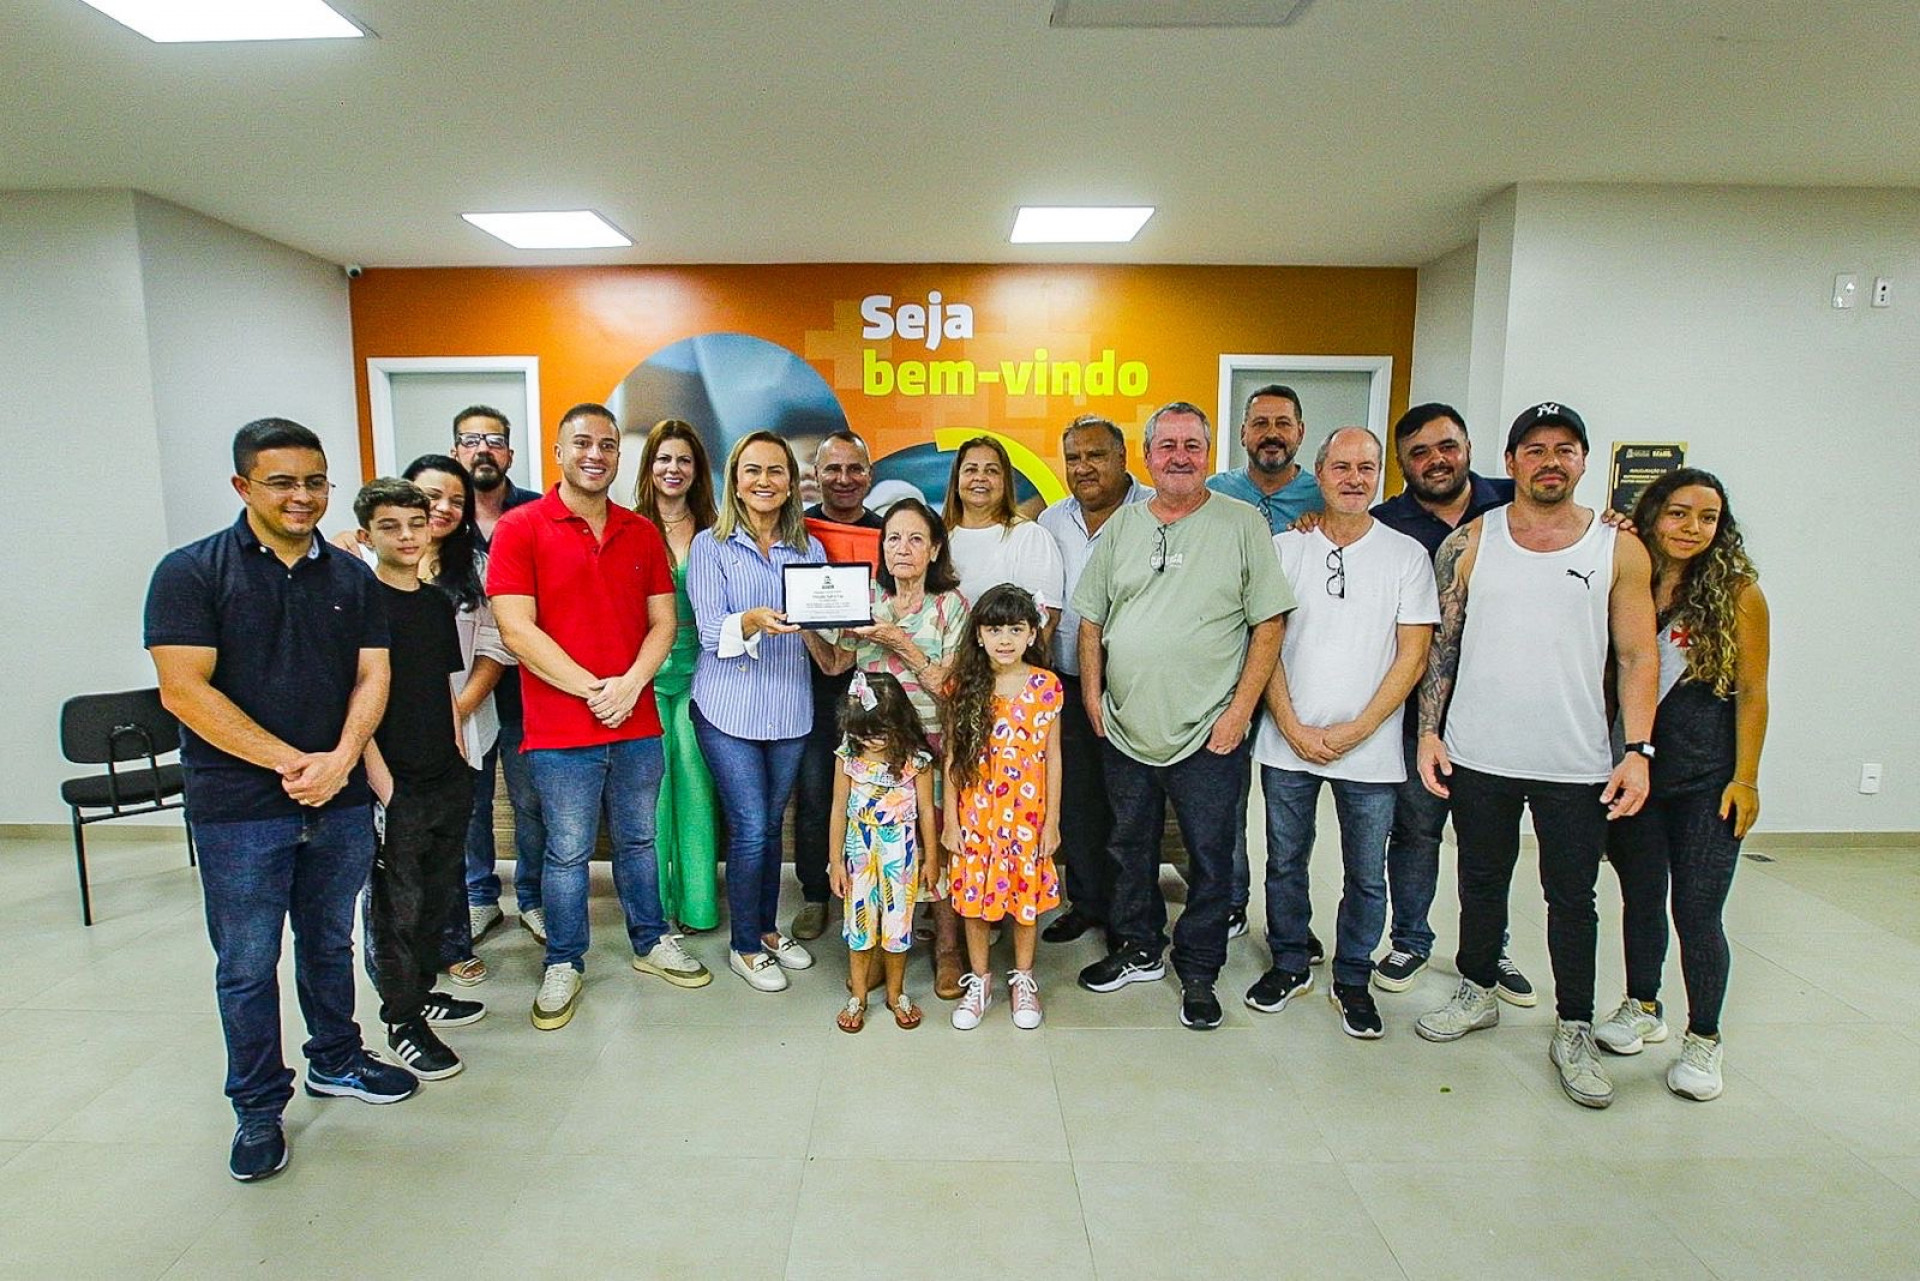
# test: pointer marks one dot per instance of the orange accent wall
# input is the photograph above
(590, 326)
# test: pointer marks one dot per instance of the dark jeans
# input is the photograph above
(416, 890)
(1366, 812)
(1086, 816)
(1205, 790)
(577, 785)
(529, 832)
(1683, 835)
(1413, 855)
(256, 875)
(813, 792)
(754, 780)
(1571, 826)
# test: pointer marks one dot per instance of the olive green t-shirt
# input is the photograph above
(1176, 638)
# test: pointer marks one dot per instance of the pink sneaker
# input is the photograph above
(1025, 995)
(976, 994)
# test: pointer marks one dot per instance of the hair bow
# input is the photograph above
(859, 690)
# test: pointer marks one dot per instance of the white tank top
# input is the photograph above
(1528, 700)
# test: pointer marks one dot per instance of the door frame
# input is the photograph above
(380, 371)
(1379, 388)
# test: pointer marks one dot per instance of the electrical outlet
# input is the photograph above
(1846, 290)
(1882, 292)
(1870, 778)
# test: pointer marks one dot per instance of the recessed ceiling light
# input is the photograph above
(1063, 224)
(196, 21)
(554, 229)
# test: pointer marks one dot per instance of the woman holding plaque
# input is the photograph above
(992, 542)
(675, 492)
(919, 622)
(752, 701)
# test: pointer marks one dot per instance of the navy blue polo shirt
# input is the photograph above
(288, 642)
(506, 695)
(1404, 513)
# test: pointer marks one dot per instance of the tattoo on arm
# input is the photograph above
(1443, 659)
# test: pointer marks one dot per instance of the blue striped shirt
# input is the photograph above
(763, 697)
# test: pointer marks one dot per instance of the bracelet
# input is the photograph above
(1741, 782)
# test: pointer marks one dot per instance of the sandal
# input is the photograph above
(906, 1014)
(854, 1016)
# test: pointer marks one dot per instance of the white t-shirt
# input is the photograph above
(1024, 555)
(1339, 648)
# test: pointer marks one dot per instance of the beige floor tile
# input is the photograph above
(54, 1063)
(11, 1148)
(1855, 1081)
(1903, 1170)
(1154, 1220)
(1852, 965)
(108, 1210)
(938, 1219)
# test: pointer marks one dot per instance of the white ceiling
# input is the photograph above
(908, 130)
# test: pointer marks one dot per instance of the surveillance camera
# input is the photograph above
(354, 271)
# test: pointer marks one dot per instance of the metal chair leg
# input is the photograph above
(80, 861)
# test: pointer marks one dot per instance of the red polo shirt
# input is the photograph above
(590, 595)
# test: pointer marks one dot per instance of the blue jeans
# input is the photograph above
(1366, 815)
(576, 784)
(1413, 855)
(754, 780)
(529, 833)
(256, 874)
(1205, 790)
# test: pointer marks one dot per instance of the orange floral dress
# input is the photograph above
(1000, 871)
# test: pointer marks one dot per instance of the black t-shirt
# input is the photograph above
(416, 735)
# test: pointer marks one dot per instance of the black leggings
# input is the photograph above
(1683, 837)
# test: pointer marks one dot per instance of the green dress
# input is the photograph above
(686, 827)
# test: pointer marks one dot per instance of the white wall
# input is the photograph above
(239, 327)
(137, 337)
(1443, 329)
(1702, 314)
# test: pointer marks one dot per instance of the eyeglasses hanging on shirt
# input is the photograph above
(1337, 580)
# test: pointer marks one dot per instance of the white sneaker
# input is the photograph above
(762, 972)
(1696, 1073)
(1581, 1075)
(1631, 1028)
(1024, 993)
(534, 922)
(670, 961)
(1472, 1008)
(482, 918)
(788, 954)
(976, 994)
(559, 997)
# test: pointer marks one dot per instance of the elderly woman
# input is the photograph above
(919, 621)
(992, 542)
(752, 703)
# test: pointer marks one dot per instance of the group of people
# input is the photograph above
(1030, 692)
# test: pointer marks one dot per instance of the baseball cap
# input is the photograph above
(1548, 413)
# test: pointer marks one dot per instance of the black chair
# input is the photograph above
(106, 729)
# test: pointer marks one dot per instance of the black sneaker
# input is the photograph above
(1396, 970)
(441, 1010)
(1359, 1017)
(365, 1078)
(424, 1054)
(1111, 973)
(259, 1149)
(1068, 926)
(1236, 922)
(1513, 987)
(1199, 1007)
(1316, 953)
(1275, 988)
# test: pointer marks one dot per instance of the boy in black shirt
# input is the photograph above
(418, 771)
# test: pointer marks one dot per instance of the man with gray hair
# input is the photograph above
(1183, 564)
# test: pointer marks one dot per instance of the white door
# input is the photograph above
(415, 399)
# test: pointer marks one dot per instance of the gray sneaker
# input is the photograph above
(1472, 1008)
(1631, 1028)
(1696, 1073)
(534, 921)
(1581, 1075)
(668, 960)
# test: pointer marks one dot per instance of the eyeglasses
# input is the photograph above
(475, 439)
(1158, 561)
(1337, 580)
(283, 486)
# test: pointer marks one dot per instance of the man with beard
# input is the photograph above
(1095, 453)
(483, 444)
(1537, 600)
(1442, 493)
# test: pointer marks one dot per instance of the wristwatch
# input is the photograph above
(1641, 749)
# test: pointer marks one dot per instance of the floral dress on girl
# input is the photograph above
(1000, 871)
(881, 850)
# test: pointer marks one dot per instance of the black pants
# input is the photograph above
(1682, 836)
(1086, 816)
(813, 791)
(419, 881)
(1571, 826)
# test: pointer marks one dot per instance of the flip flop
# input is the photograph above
(854, 1016)
(906, 1014)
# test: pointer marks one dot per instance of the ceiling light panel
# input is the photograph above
(553, 229)
(1067, 224)
(1176, 13)
(208, 21)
